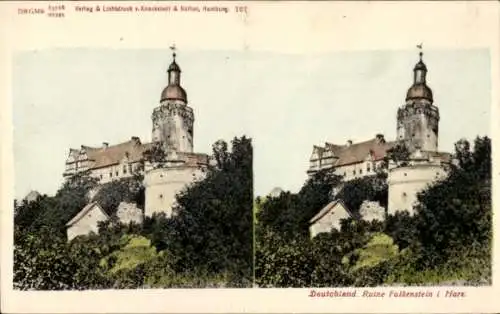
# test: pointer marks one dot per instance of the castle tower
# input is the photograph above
(417, 127)
(173, 119)
(418, 118)
(173, 128)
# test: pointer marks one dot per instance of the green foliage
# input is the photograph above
(290, 213)
(156, 155)
(354, 192)
(456, 213)
(402, 228)
(136, 250)
(328, 250)
(379, 249)
(282, 263)
(44, 261)
(212, 227)
(447, 241)
(55, 212)
(111, 194)
(399, 155)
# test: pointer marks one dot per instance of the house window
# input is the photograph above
(360, 171)
(117, 173)
(161, 196)
(101, 176)
(111, 174)
(124, 169)
(130, 168)
(354, 172)
(368, 168)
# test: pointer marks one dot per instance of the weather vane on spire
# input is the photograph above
(174, 49)
(420, 47)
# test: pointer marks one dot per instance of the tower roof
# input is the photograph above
(420, 64)
(174, 90)
(419, 89)
(174, 66)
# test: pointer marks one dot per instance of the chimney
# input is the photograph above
(379, 138)
(105, 145)
(349, 143)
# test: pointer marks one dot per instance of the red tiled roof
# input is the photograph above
(106, 156)
(357, 152)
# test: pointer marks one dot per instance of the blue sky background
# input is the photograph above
(64, 98)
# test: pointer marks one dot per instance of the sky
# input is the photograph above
(286, 103)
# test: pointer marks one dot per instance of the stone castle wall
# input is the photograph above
(173, 126)
(418, 126)
(163, 184)
(406, 182)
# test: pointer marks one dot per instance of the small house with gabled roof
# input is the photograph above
(86, 221)
(329, 217)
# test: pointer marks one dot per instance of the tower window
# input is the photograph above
(161, 196)
(405, 174)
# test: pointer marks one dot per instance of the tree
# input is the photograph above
(402, 228)
(398, 154)
(282, 262)
(44, 261)
(211, 230)
(156, 155)
(454, 216)
(290, 214)
(111, 194)
(354, 192)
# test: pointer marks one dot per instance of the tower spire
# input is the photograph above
(420, 69)
(419, 88)
(174, 71)
(173, 48)
(174, 91)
